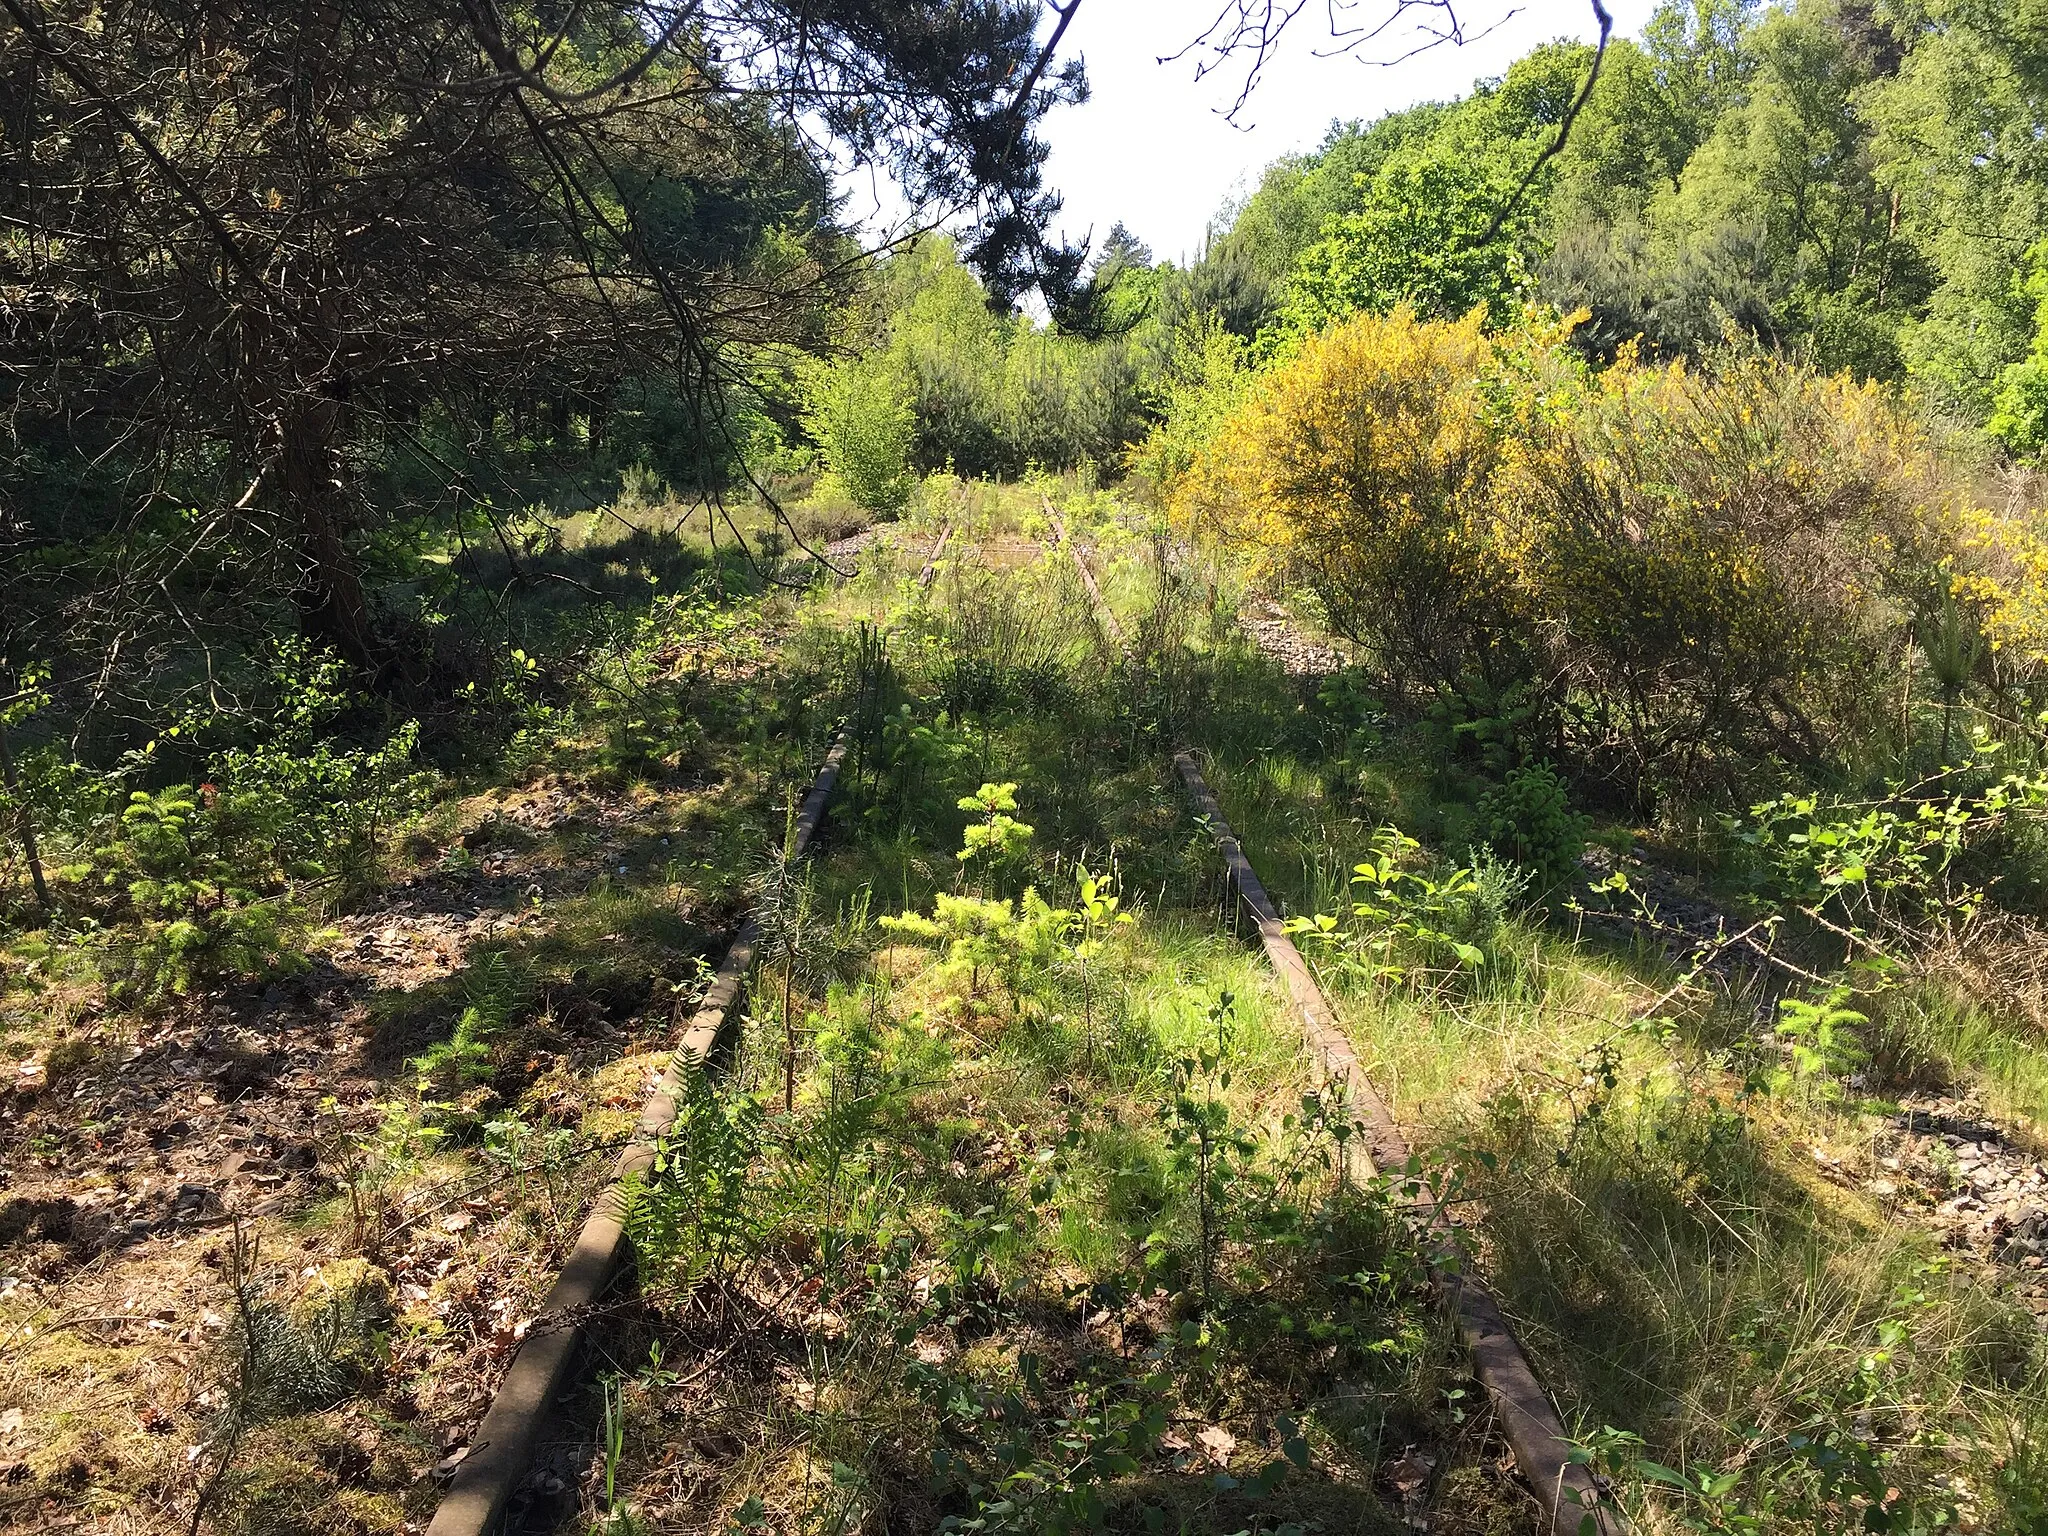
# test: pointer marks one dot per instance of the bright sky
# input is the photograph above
(1152, 148)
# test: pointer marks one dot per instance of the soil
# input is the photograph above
(134, 1150)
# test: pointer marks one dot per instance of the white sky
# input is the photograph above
(1152, 148)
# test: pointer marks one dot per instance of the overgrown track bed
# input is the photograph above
(1571, 1500)
(1021, 1208)
(1112, 628)
(501, 1450)
(1566, 1491)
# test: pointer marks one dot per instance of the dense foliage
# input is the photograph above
(1672, 570)
(291, 291)
(1860, 183)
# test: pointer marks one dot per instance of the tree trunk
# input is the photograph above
(26, 822)
(332, 609)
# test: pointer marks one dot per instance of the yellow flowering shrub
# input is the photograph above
(1361, 466)
(1725, 562)
(2005, 581)
(1693, 569)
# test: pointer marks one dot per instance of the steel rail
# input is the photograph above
(1103, 611)
(930, 572)
(1572, 1501)
(502, 1449)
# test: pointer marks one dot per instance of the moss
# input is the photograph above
(614, 1095)
(69, 1440)
(69, 1054)
(346, 1310)
(1471, 1503)
(327, 1474)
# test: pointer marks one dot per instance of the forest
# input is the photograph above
(667, 866)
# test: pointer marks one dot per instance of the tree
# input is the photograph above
(1418, 240)
(859, 412)
(1795, 162)
(944, 338)
(1962, 146)
(250, 247)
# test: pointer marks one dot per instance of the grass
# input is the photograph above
(977, 1212)
(1653, 1215)
(966, 1274)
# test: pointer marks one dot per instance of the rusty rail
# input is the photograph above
(502, 1449)
(930, 572)
(1571, 1500)
(1110, 626)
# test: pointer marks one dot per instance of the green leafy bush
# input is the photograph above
(1896, 869)
(859, 412)
(692, 1212)
(1404, 925)
(1528, 818)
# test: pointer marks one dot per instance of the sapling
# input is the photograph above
(1097, 909)
(998, 837)
(783, 899)
(1203, 1141)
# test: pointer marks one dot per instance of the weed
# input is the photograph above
(692, 1215)
(1402, 923)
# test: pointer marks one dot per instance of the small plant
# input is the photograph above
(532, 1154)
(998, 837)
(1528, 818)
(785, 910)
(1035, 1461)
(195, 917)
(874, 687)
(1096, 908)
(1824, 1035)
(691, 1214)
(980, 934)
(1208, 1150)
(1401, 921)
(618, 1519)
(374, 1167)
(492, 993)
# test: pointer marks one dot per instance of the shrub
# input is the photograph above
(2004, 582)
(1683, 573)
(193, 916)
(1528, 819)
(859, 412)
(1723, 560)
(1363, 467)
(1206, 375)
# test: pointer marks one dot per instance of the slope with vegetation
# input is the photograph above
(1608, 593)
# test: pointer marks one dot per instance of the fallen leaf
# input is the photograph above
(1411, 1472)
(1218, 1442)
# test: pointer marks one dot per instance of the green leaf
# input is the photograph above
(1657, 1472)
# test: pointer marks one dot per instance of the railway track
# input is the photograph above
(1528, 1419)
(930, 572)
(504, 1445)
(1104, 614)
(1571, 1500)
(502, 1449)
